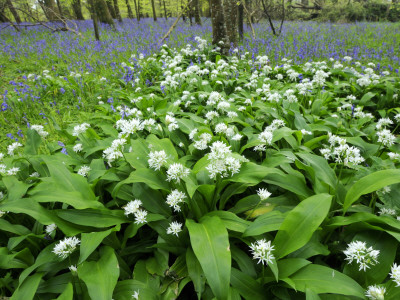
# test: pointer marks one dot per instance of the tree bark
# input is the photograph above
(128, 6)
(153, 7)
(136, 11)
(50, 9)
(117, 12)
(218, 25)
(231, 24)
(110, 9)
(165, 11)
(197, 19)
(103, 13)
(77, 8)
(60, 9)
(241, 21)
(95, 20)
(13, 11)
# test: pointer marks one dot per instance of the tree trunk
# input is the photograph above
(110, 9)
(139, 7)
(50, 9)
(95, 20)
(136, 11)
(196, 6)
(77, 8)
(128, 6)
(13, 11)
(165, 11)
(231, 24)
(241, 20)
(218, 25)
(103, 13)
(153, 7)
(60, 9)
(117, 12)
(160, 2)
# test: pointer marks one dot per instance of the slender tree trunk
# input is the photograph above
(128, 6)
(165, 11)
(95, 20)
(77, 8)
(117, 12)
(218, 25)
(139, 6)
(136, 11)
(103, 13)
(161, 12)
(60, 9)
(153, 7)
(13, 11)
(110, 9)
(50, 9)
(231, 24)
(241, 20)
(196, 5)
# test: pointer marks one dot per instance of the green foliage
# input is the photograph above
(214, 181)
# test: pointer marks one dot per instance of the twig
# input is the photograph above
(173, 25)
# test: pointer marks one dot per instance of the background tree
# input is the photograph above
(117, 11)
(103, 13)
(128, 7)
(153, 7)
(196, 6)
(111, 9)
(50, 9)
(77, 8)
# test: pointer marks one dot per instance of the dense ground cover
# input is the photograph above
(189, 174)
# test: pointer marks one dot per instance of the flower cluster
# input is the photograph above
(364, 256)
(221, 161)
(133, 207)
(175, 198)
(174, 228)
(65, 247)
(262, 250)
(78, 129)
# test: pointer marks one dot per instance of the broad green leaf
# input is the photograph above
(13, 228)
(210, 243)
(28, 288)
(99, 218)
(265, 223)
(33, 209)
(230, 220)
(252, 174)
(300, 224)
(33, 141)
(248, 287)
(369, 184)
(89, 243)
(68, 293)
(195, 272)
(16, 189)
(100, 276)
(290, 183)
(289, 266)
(321, 279)
(155, 180)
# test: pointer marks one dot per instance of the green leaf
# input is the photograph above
(252, 174)
(28, 288)
(300, 224)
(16, 189)
(369, 184)
(265, 223)
(33, 141)
(68, 293)
(230, 220)
(210, 243)
(90, 242)
(101, 276)
(321, 279)
(98, 218)
(248, 287)
(195, 272)
(155, 180)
